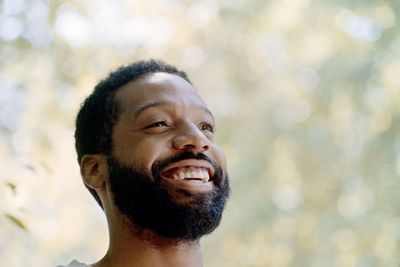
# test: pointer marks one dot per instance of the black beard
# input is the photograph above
(148, 204)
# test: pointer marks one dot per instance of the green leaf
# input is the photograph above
(16, 221)
(12, 186)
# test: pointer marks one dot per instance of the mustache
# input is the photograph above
(158, 166)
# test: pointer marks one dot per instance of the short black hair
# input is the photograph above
(99, 111)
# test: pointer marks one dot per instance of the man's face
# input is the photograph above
(166, 173)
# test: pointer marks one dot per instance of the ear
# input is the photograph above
(94, 170)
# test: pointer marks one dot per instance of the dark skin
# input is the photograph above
(162, 115)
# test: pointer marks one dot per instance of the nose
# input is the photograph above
(192, 139)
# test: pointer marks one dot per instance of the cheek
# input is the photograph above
(147, 151)
(219, 156)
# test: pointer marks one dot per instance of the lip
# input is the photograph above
(188, 184)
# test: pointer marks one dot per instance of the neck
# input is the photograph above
(129, 247)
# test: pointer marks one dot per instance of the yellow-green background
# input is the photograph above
(306, 94)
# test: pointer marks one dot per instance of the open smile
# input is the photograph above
(191, 174)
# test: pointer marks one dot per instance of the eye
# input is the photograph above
(209, 127)
(157, 125)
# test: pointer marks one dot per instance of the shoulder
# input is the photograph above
(74, 263)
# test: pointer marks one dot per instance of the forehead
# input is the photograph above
(158, 87)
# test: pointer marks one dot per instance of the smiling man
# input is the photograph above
(144, 139)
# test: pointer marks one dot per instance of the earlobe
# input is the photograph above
(94, 170)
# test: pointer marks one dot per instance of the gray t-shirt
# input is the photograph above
(74, 263)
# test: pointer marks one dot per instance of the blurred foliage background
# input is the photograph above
(306, 94)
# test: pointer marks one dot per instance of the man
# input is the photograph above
(144, 139)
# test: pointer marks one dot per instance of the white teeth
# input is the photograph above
(191, 172)
(205, 173)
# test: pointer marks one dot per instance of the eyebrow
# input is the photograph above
(163, 103)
